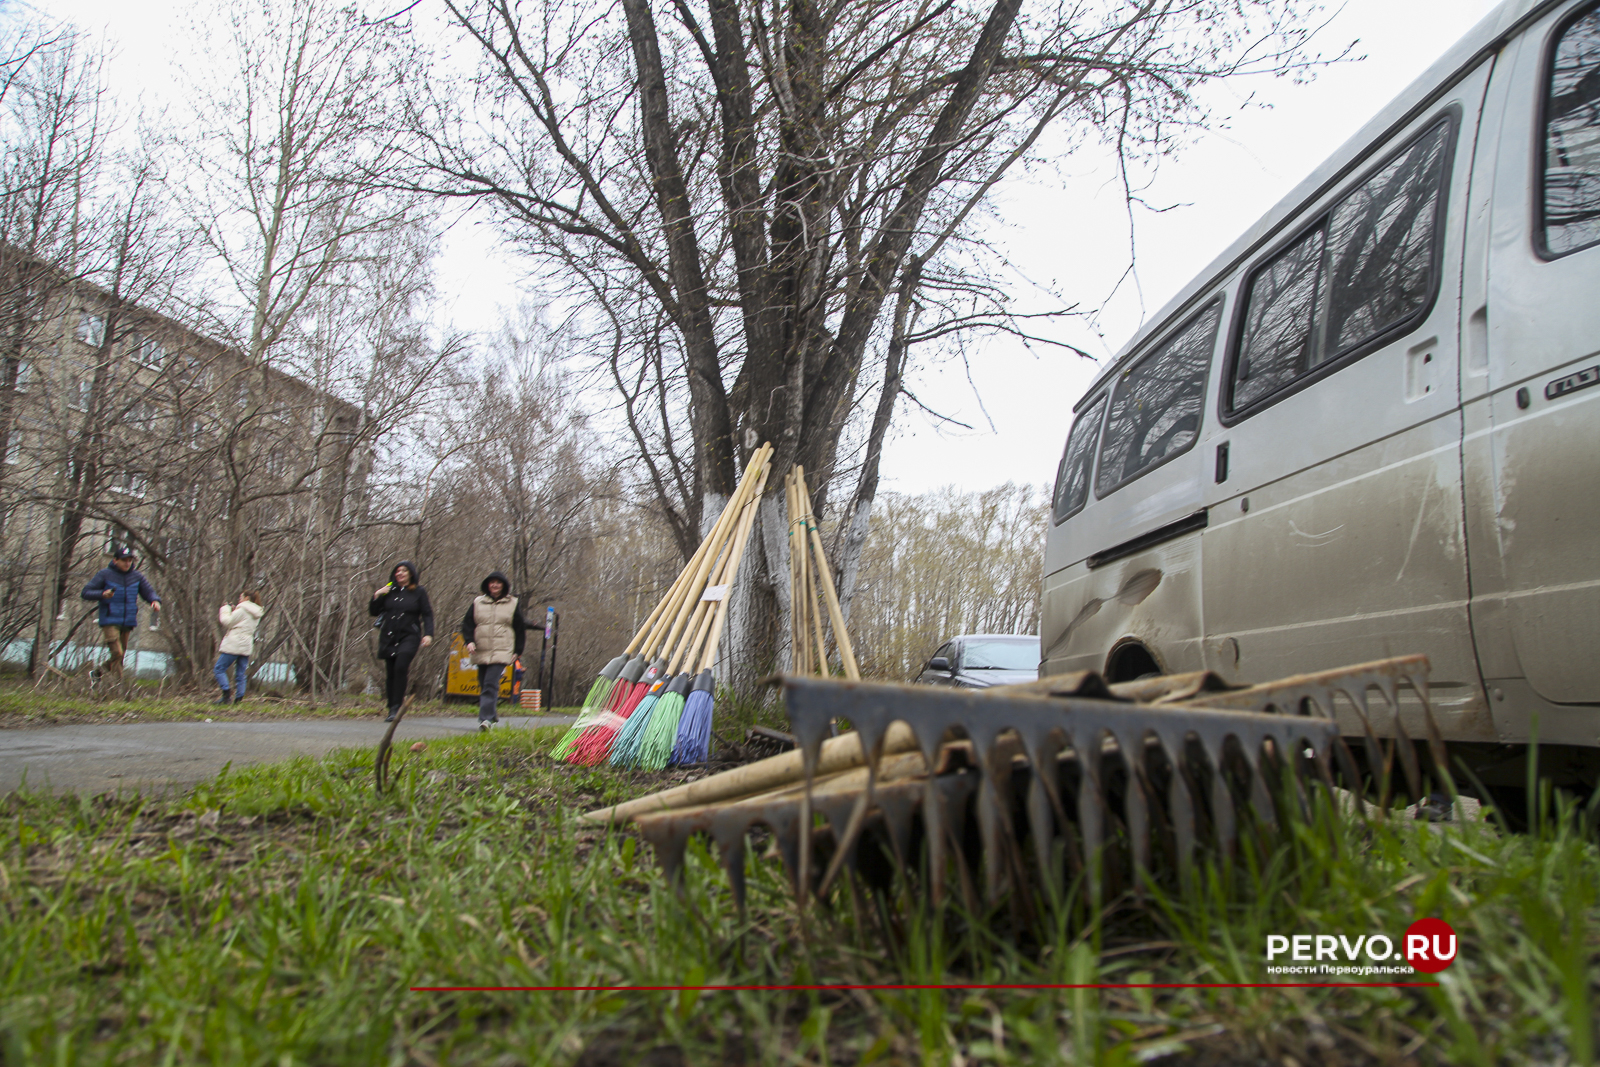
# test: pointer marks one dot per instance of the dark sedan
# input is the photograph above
(977, 661)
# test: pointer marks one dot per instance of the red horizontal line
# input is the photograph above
(897, 987)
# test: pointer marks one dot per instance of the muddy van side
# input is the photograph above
(1368, 429)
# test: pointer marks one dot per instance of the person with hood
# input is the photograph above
(405, 627)
(117, 590)
(494, 632)
(233, 654)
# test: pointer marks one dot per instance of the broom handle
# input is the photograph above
(683, 587)
(718, 536)
(804, 493)
(706, 611)
(733, 574)
(648, 630)
(798, 653)
(662, 616)
(841, 637)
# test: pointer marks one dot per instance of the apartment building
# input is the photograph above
(120, 425)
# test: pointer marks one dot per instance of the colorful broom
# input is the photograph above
(595, 743)
(665, 735)
(666, 700)
(604, 690)
(692, 741)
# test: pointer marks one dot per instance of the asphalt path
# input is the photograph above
(155, 757)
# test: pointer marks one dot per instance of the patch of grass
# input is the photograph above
(282, 914)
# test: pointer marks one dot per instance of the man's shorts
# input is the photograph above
(117, 635)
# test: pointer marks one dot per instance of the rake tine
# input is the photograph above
(1180, 806)
(1091, 819)
(1260, 796)
(1390, 688)
(1136, 809)
(1222, 814)
(1378, 757)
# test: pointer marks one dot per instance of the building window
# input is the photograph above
(79, 392)
(148, 352)
(92, 329)
(129, 483)
(13, 449)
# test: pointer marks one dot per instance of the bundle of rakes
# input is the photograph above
(637, 722)
(1143, 778)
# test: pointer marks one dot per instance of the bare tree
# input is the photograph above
(944, 563)
(740, 190)
(293, 120)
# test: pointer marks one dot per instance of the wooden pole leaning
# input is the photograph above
(841, 636)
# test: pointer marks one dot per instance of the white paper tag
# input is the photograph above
(714, 592)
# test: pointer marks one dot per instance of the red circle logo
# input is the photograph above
(1430, 945)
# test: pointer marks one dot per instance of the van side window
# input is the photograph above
(1572, 139)
(1363, 268)
(1072, 476)
(1155, 411)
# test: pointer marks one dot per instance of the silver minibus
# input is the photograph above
(1372, 426)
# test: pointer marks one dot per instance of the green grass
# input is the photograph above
(280, 914)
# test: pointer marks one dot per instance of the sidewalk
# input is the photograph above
(161, 756)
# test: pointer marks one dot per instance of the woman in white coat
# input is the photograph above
(233, 654)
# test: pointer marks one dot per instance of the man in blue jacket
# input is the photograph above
(117, 590)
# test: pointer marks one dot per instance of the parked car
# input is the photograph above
(977, 661)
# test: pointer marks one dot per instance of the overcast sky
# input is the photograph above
(1073, 237)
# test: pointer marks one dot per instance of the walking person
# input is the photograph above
(494, 631)
(233, 654)
(405, 627)
(117, 590)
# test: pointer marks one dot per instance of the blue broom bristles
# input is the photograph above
(625, 750)
(694, 729)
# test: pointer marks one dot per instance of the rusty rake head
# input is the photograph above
(1021, 788)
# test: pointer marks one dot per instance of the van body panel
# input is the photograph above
(1338, 535)
(1536, 443)
(1152, 597)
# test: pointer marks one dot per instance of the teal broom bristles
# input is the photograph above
(625, 751)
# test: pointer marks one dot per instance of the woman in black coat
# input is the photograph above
(405, 627)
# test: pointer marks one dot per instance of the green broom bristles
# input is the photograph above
(593, 705)
(661, 733)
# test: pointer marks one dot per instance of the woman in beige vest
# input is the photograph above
(494, 632)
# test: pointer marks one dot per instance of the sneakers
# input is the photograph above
(239, 698)
(392, 713)
(225, 698)
(484, 725)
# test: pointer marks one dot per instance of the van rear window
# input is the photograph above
(1572, 139)
(1365, 267)
(1155, 411)
(1072, 476)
